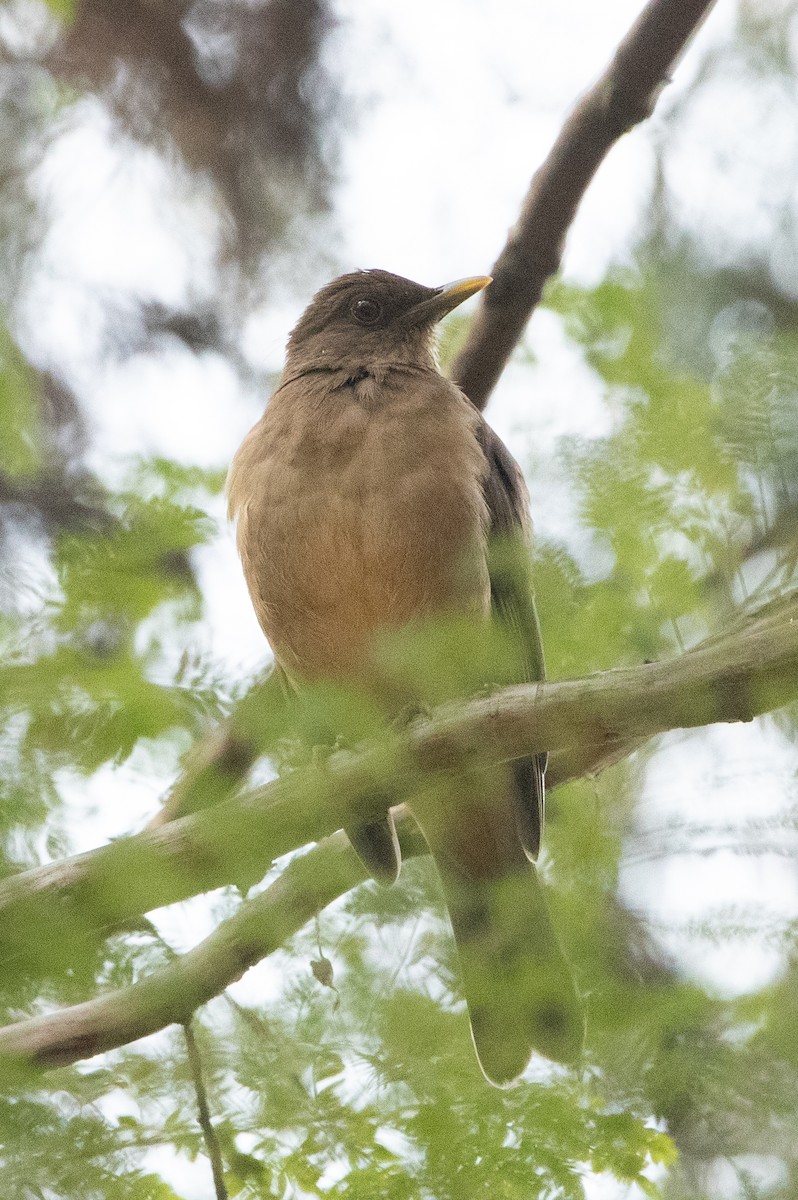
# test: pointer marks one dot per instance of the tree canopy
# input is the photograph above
(667, 601)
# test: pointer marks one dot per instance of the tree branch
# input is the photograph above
(172, 993)
(584, 723)
(624, 95)
(732, 677)
(217, 764)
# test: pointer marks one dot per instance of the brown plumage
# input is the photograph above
(370, 495)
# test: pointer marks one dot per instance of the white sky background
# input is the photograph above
(467, 98)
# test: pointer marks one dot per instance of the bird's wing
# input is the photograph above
(518, 985)
(513, 602)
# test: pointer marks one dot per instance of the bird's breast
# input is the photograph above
(358, 513)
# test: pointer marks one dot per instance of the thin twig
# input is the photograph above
(204, 1112)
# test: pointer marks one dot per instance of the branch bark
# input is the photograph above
(624, 95)
(584, 723)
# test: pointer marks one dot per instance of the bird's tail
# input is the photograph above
(519, 987)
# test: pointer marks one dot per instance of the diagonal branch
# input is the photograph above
(584, 723)
(624, 95)
(172, 993)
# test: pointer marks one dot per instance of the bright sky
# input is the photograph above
(458, 104)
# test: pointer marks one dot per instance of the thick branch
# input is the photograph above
(624, 95)
(583, 723)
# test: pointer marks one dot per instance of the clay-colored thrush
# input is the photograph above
(367, 498)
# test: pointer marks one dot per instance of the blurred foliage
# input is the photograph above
(686, 515)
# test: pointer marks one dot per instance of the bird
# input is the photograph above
(369, 498)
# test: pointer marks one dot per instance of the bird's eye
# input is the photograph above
(367, 312)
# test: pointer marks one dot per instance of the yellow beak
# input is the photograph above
(443, 300)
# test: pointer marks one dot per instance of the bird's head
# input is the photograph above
(374, 317)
